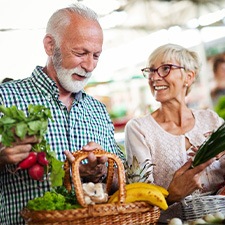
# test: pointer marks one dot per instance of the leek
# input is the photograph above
(214, 145)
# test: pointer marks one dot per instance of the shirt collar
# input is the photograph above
(47, 85)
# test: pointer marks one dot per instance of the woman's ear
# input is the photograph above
(49, 44)
(190, 78)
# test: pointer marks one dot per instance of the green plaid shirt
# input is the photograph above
(87, 121)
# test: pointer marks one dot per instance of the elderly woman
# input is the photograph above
(170, 135)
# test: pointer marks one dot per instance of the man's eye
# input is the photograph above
(79, 54)
(96, 57)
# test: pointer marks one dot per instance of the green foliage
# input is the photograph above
(220, 107)
(70, 196)
(214, 145)
(55, 165)
(58, 199)
(15, 124)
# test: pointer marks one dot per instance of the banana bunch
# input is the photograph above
(153, 194)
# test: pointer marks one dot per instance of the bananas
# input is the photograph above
(151, 193)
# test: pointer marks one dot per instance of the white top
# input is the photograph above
(145, 138)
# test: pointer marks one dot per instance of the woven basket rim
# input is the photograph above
(197, 206)
(90, 212)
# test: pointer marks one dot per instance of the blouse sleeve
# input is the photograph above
(135, 143)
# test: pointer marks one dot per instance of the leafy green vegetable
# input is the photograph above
(15, 124)
(54, 200)
(214, 145)
(55, 166)
(70, 196)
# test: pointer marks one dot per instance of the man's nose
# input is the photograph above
(89, 63)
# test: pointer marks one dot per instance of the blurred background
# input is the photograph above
(132, 29)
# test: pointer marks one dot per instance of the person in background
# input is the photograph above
(170, 135)
(7, 79)
(73, 44)
(219, 79)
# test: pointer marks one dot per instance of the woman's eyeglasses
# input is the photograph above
(162, 70)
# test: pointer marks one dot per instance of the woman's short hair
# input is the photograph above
(185, 57)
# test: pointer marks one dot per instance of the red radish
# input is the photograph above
(41, 158)
(36, 172)
(28, 162)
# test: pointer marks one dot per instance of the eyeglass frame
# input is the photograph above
(157, 70)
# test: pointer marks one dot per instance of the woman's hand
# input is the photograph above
(185, 181)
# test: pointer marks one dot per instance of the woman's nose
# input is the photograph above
(155, 76)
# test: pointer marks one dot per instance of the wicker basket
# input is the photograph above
(198, 205)
(120, 213)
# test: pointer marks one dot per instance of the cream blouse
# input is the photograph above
(144, 138)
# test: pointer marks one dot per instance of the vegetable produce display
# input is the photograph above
(14, 124)
(214, 145)
(57, 199)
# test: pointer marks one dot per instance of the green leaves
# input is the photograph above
(138, 172)
(214, 145)
(55, 166)
(15, 124)
(51, 200)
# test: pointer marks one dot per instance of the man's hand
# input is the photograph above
(95, 170)
(185, 181)
(19, 151)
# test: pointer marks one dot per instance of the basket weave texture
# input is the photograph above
(196, 206)
(120, 213)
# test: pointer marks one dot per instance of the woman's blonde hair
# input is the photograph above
(185, 57)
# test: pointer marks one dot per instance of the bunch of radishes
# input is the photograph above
(35, 163)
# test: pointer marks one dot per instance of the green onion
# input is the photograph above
(214, 145)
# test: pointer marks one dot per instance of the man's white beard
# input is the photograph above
(67, 82)
(65, 75)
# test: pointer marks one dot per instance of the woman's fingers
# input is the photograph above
(183, 169)
(202, 166)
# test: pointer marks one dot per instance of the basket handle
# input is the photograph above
(81, 155)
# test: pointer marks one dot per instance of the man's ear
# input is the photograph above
(49, 44)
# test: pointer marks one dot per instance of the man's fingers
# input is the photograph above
(92, 160)
(69, 156)
(91, 146)
(27, 140)
(103, 159)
